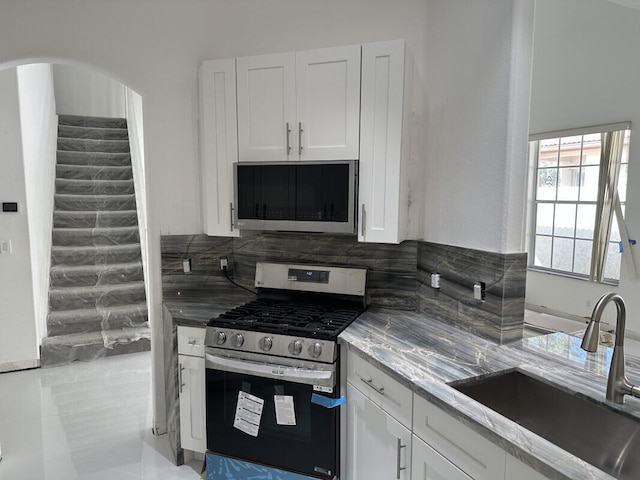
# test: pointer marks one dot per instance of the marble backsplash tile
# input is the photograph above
(500, 317)
(398, 275)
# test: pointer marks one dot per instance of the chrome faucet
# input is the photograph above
(617, 384)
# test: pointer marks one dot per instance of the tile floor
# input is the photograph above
(87, 420)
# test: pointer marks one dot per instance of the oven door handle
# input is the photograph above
(287, 373)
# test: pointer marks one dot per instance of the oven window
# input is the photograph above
(308, 446)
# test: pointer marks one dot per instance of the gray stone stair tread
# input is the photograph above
(79, 269)
(96, 289)
(97, 159)
(91, 121)
(129, 247)
(89, 314)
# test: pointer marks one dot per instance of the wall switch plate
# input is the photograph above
(5, 246)
(186, 265)
(479, 291)
(435, 280)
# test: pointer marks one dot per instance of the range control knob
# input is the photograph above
(295, 347)
(315, 349)
(266, 343)
(221, 337)
(238, 340)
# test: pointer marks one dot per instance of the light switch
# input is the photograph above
(5, 246)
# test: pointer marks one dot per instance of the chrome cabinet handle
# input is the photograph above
(288, 142)
(369, 382)
(231, 216)
(180, 370)
(399, 458)
(363, 218)
(300, 130)
(192, 341)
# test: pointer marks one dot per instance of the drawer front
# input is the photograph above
(191, 341)
(468, 450)
(380, 388)
(430, 465)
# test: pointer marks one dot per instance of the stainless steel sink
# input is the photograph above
(606, 438)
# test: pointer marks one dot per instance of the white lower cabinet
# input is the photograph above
(378, 446)
(427, 464)
(191, 389)
(516, 470)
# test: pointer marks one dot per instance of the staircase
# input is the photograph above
(97, 303)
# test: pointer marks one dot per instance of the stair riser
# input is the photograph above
(88, 187)
(100, 122)
(110, 276)
(64, 237)
(73, 300)
(62, 219)
(64, 157)
(62, 354)
(93, 133)
(54, 329)
(80, 172)
(88, 203)
(99, 257)
(83, 145)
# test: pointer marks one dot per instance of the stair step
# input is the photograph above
(95, 320)
(63, 201)
(94, 187)
(94, 172)
(85, 275)
(68, 157)
(90, 255)
(92, 345)
(95, 236)
(95, 296)
(93, 145)
(96, 133)
(84, 121)
(94, 218)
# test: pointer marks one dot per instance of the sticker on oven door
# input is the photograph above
(320, 388)
(248, 413)
(285, 411)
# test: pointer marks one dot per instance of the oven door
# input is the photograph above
(276, 413)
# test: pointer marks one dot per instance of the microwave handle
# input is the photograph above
(231, 225)
(363, 220)
(288, 139)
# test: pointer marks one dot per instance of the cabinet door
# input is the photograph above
(427, 464)
(516, 470)
(381, 130)
(218, 145)
(191, 378)
(328, 103)
(266, 106)
(378, 446)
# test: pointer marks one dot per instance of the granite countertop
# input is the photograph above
(196, 306)
(424, 354)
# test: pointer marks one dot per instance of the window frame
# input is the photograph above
(533, 202)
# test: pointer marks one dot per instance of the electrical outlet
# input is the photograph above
(5, 246)
(479, 291)
(224, 263)
(186, 265)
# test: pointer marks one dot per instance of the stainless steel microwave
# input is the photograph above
(305, 196)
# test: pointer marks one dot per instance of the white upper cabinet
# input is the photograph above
(384, 142)
(218, 145)
(266, 106)
(299, 106)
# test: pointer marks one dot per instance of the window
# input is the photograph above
(570, 210)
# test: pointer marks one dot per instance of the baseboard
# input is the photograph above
(22, 365)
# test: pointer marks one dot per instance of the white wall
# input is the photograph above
(83, 91)
(39, 133)
(586, 71)
(18, 343)
(478, 78)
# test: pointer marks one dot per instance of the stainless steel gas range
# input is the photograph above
(272, 386)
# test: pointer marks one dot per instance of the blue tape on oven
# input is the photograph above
(326, 401)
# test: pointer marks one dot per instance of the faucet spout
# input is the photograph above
(617, 384)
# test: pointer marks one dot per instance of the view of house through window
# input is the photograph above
(566, 201)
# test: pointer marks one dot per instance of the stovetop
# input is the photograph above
(296, 318)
